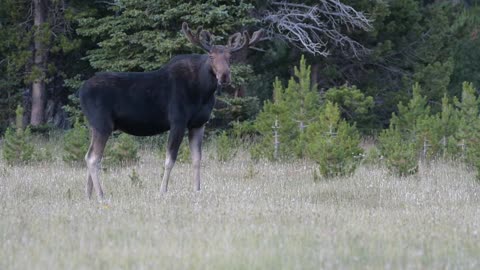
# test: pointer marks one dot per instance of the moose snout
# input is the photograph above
(224, 79)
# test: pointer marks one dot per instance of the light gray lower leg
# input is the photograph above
(93, 163)
(195, 137)
(175, 138)
(167, 170)
(89, 184)
(93, 159)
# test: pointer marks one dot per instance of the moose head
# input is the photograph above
(219, 55)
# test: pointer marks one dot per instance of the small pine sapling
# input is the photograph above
(17, 149)
(400, 154)
(468, 136)
(123, 150)
(283, 122)
(333, 143)
(225, 147)
(183, 155)
(75, 143)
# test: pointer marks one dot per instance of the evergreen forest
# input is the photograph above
(404, 72)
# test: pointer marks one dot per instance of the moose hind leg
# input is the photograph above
(195, 137)
(89, 184)
(175, 138)
(93, 159)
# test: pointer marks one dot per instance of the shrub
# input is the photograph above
(122, 150)
(184, 152)
(468, 135)
(43, 155)
(17, 148)
(225, 147)
(354, 106)
(399, 153)
(293, 109)
(75, 143)
(333, 143)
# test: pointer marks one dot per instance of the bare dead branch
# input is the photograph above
(316, 28)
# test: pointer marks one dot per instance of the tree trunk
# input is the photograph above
(39, 92)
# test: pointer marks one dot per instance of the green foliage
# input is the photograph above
(75, 143)
(17, 148)
(225, 147)
(402, 141)
(43, 154)
(121, 150)
(242, 74)
(244, 130)
(372, 156)
(73, 107)
(140, 35)
(333, 143)
(438, 132)
(466, 54)
(400, 153)
(354, 105)
(451, 133)
(293, 109)
(435, 79)
(15, 40)
(57, 36)
(408, 115)
(183, 155)
(307, 129)
(468, 136)
(229, 110)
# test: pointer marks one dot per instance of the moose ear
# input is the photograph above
(234, 40)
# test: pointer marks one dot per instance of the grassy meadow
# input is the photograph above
(249, 215)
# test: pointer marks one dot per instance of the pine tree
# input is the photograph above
(293, 109)
(17, 148)
(400, 144)
(354, 105)
(400, 153)
(75, 143)
(468, 136)
(149, 30)
(333, 143)
(437, 132)
(224, 147)
(405, 121)
(122, 150)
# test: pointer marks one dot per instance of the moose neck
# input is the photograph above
(207, 79)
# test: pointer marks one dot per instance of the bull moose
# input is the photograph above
(176, 97)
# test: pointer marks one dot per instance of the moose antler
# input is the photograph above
(201, 38)
(234, 40)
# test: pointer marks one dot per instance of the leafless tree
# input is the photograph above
(317, 28)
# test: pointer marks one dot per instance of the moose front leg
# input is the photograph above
(174, 140)
(195, 137)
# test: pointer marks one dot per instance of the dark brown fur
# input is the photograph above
(177, 97)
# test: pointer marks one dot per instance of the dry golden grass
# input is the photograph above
(248, 216)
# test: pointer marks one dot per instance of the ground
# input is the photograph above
(249, 215)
